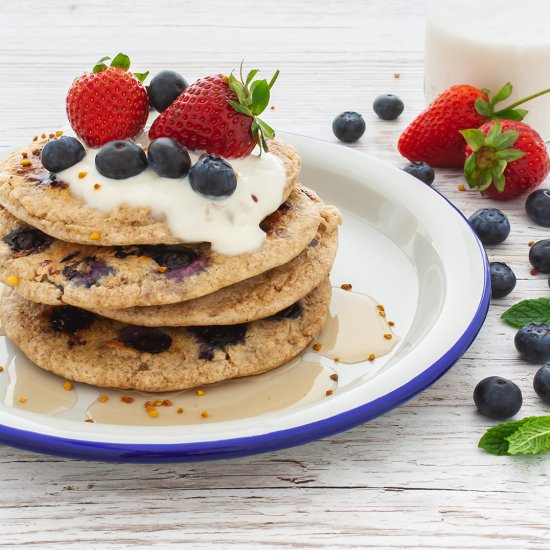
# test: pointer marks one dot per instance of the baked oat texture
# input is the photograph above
(95, 355)
(28, 194)
(249, 300)
(118, 277)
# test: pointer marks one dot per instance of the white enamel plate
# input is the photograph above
(402, 243)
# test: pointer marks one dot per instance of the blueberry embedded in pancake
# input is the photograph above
(102, 352)
(146, 339)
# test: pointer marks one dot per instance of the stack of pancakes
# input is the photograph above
(111, 298)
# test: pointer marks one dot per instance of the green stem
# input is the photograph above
(528, 98)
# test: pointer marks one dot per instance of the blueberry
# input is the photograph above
(60, 154)
(70, 319)
(388, 106)
(120, 159)
(497, 398)
(541, 383)
(533, 342)
(220, 335)
(148, 340)
(348, 126)
(539, 256)
(537, 207)
(164, 88)
(168, 158)
(213, 176)
(87, 271)
(27, 240)
(491, 225)
(420, 170)
(291, 312)
(503, 280)
(172, 257)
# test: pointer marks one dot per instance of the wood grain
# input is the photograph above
(413, 478)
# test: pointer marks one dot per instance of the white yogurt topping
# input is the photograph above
(231, 224)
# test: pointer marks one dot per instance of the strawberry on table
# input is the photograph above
(505, 159)
(434, 135)
(109, 103)
(219, 115)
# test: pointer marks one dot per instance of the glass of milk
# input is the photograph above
(487, 43)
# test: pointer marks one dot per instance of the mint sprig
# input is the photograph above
(524, 437)
(536, 310)
(122, 61)
(252, 99)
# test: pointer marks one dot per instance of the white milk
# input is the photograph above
(487, 43)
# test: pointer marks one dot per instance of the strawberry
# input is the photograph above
(109, 103)
(219, 115)
(433, 136)
(499, 170)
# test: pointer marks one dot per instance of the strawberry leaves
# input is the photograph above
(253, 98)
(121, 61)
(490, 156)
(486, 108)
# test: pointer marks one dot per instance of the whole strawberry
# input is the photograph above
(109, 103)
(434, 135)
(219, 115)
(499, 170)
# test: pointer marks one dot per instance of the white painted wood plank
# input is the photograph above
(413, 478)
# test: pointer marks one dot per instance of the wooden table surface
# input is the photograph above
(412, 478)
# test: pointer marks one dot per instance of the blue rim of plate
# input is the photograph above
(272, 441)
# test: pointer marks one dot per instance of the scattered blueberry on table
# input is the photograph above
(348, 126)
(388, 106)
(541, 383)
(537, 207)
(503, 280)
(490, 225)
(539, 256)
(533, 342)
(420, 170)
(497, 398)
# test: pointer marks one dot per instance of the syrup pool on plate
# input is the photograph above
(487, 44)
(356, 331)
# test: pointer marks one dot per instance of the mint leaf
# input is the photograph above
(122, 61)
(495, 439)
(528, 311)
(531, 437)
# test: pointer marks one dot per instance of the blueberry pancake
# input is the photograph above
(46, 270)
(83, 347)
(248, 300)
(80, 205)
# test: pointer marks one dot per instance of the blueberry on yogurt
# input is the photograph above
(213, 176)
(60, 154)
(120, 159)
